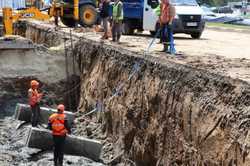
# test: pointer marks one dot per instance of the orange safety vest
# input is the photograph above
(33, 99)
(57, 122)
(165, 8)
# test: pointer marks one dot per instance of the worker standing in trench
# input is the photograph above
(58, 123)
(34, 101)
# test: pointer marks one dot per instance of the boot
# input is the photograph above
(60, 163)
(105, 36)
(165, 48)
(55, 163)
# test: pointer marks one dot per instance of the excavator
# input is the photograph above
(71, 12)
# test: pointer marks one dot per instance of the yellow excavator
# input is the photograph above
(70, 12)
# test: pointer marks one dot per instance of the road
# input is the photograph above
(220, 51)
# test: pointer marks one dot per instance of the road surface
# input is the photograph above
(225, 52)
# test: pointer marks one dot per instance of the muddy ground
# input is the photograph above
(13, 151)
(18, 67)
(171, 113)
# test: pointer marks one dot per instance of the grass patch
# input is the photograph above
(229, 26)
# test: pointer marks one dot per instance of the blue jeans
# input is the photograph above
(166, 33)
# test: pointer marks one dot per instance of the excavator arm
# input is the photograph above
(33, 13)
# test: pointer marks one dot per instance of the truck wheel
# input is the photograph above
(88, 15)
(127, 30)
(69, 22)
(196, 35)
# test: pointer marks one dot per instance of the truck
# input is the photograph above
(71, 12)
(87, 11)
(88, 14)
(140, 15)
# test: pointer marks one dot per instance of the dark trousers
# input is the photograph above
(35, 115)
(166, 34)
(116, 30)
(59, 142)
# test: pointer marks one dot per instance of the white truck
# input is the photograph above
(139, 14)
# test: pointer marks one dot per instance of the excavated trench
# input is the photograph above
(48, 66)
(166, 114)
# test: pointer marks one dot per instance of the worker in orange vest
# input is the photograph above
(34, 100)
(167, 14)
(58, 123)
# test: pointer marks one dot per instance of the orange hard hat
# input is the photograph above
(34, 83)
(60, 107)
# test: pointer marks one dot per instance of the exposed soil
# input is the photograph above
(14, 152)
(180, 110)
(222, 52)
(18, 68)
(168, 113)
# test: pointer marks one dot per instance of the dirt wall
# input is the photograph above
(45, 63)
(168, 113)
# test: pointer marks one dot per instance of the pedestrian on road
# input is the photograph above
(58, 123)
(104, 13)
(166, 18)
(34, 101)
(117, 18)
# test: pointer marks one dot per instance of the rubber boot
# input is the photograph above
(60, 163)
(55, 163)
(165, 48)
(118, 39)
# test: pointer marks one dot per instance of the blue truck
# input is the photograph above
(140, 15)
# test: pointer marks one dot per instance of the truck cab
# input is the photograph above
(139, 14)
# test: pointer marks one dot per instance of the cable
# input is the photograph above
(136, 69)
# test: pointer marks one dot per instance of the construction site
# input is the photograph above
(127, 103)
